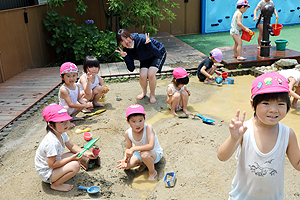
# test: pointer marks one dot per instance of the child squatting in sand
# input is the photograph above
(51, 163)
(146, 150)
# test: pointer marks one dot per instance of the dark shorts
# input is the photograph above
(154, 62)
(201, 77)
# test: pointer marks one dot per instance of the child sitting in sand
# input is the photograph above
(51, 163)
(207, 67)
(236, 28)
(146, 150)
(90, 83)
(177, 92)
(262, 142)
(69, 94)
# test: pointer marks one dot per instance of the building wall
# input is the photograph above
(23, 45)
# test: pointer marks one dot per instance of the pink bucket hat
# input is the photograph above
(180, 73)
(270, 82)
(135, 109)
(243, 3)
(217, 54)
(68, 67)
(56, 113)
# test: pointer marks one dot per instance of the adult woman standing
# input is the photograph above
(148, 51)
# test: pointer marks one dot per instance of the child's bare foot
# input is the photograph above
(72, 125)
(258, 47)
(152, 99)
(99, 104)
(141, 96)
(234, 56)
(186, 112)
(153, 176)
(295, 105)
(62, 187)
(85, 110)
(76, 119)
(173, 113)
(241, 58)
(142, 167)
(208, 81)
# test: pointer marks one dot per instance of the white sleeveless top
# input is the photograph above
(73, 96)
(174, 89)
(144, 140)
(93, 85)
(258, 175)
(234, 27)
(287, 73)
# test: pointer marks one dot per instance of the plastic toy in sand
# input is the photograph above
(219, 80)
(170, 179)
(78, 131)
(88, 146)
(91, 190)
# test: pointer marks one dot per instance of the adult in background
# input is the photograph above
(148, 51)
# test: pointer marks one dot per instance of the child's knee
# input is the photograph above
(176, 95)
(98, 89)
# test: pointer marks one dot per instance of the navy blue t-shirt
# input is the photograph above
(206, 62)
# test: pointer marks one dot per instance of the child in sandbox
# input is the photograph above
(51, 163)
(177, 93)
(69, 93)
(293, 78)
(90, 83)
(146, 150)
(207, 67)
(236, 28)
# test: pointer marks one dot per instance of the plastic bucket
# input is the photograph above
(277, 30)
(281, 44)
(247, 36)
(224, 75)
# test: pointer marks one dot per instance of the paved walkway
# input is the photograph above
(23, 94)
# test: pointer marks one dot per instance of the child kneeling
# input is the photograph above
(147, 150)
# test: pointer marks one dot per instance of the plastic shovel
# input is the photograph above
(205, 120)
(91, 190)
(88, 146)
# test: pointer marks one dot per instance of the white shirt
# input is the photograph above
(49, 147)
(287, 73)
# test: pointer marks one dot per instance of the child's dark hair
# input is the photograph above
(48, 128)
(135, 114)
(90, 61)
(279, 96)
(184, 81)
(124, 33)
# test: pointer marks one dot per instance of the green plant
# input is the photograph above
(126, 13)
(74, 42)
(239, 66)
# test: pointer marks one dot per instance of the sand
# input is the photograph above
(190, 149)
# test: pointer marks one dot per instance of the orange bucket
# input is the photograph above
(277, 30)
(247, 36)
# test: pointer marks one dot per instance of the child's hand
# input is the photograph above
(89, 154)
(237, 129)
(89, 105)
(89, 76)
(123, 53)
(147, 38)
(74, 156)
(105, 89)
(122, 165)
(189, 93)
(255, 18)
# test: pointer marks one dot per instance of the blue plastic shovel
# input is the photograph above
(91, 190)
(205, 120)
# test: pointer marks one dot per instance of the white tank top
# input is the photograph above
(73, 96)
(234, 26)
(174, 89)
(287, 73)
(93, 85)
(144, 140)
(260, 176)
